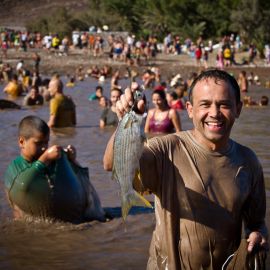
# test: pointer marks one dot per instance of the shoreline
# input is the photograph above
(169, 64)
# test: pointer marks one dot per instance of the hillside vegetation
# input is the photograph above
(19, 13)
(187, 18)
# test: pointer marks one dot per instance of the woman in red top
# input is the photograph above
(174, 102)
(161, 119)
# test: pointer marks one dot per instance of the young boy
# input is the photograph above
(98, 93)
(48, 182)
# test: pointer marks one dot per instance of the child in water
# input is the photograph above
(48, 182)
(98, 93)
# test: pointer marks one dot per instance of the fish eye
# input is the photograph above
(138, 95)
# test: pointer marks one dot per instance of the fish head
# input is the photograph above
(137, 96)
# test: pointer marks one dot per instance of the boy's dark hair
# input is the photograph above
(99, 87)
(32, 123)
(118, 90)
(217, 75)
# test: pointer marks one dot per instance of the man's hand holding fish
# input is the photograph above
(127, 147)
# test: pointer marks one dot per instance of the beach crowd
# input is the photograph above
(131, 49)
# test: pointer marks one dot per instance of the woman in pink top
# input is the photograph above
(161, 119)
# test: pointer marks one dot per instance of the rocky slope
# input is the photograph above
(16, 13)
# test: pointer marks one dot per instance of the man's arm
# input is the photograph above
(176, 120)
(254, 213)
(108, 155)
(53, 110)
(147, 179)
(122, 107)
(101, 123)
(51, 121)
(7, 88)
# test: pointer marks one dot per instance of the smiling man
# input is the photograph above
(213, 105)
(205, 184)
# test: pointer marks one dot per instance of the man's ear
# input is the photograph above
(189, 108)
(239, 109)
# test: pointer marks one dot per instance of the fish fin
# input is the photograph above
(132, 199)
(114, 175)
(137, 182)
(128, 124)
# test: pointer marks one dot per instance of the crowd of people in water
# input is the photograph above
(169, 95)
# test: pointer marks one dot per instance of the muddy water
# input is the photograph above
(111, 245)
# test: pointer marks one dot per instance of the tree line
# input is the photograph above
(187, 18)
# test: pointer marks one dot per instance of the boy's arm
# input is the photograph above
(51, 154)
(23, 172)
(21, 175)
(72, 155)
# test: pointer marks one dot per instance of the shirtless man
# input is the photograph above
(205, 184)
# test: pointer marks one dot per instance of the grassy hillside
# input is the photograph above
(16, 13)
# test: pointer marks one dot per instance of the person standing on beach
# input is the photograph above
(243, 82)
(36, 59)
(206, 185)
(62, 107)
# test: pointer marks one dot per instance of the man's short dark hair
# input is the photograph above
(118, 90)
(32, 123)
(217, 75)
(264, 100)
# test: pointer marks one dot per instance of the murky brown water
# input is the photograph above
(111, 245)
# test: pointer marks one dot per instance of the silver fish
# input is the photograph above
(128, 147)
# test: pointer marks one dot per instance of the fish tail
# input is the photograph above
(132, 199)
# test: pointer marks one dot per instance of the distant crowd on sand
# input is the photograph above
(134, 50)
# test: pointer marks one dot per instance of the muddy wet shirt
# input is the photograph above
(53, 191)
(64, 110)
(109, 117)
(201, 199)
